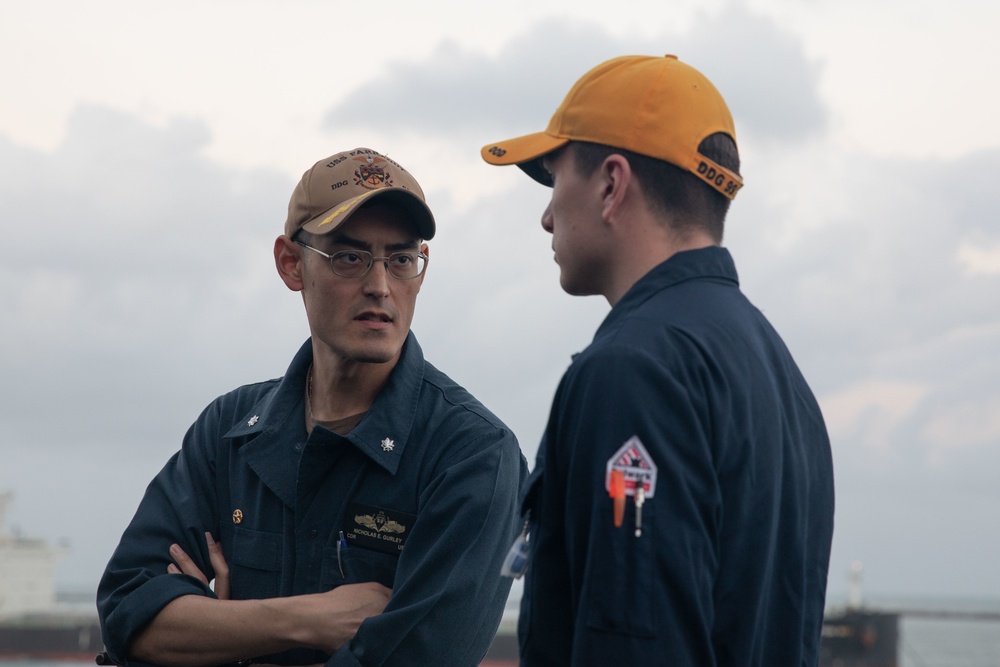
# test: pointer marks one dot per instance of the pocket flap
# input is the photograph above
(257, 550)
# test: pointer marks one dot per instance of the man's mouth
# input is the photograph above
(374, 317)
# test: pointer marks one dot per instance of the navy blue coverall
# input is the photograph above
(687, 391)
(423, 490)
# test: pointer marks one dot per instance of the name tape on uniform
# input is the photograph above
(377, 528)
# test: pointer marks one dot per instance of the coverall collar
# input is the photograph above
(709, 263)
(275, 425)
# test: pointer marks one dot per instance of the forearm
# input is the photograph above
(193, 630)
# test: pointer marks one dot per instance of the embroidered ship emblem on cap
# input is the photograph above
(371, 173)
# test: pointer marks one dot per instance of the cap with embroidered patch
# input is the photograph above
(659, 107)
(334, 188)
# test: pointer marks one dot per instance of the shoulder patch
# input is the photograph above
(636, 465)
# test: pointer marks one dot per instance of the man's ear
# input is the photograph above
(616, 177)
(288, 261)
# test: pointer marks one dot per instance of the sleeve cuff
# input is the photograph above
(140, 606)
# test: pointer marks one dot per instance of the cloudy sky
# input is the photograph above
(147, 152)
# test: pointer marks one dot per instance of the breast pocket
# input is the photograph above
(255, 564)
(356, 565)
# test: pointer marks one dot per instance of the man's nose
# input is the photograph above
(547, 218)
(377, 279)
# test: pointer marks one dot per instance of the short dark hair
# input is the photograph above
(670, 190)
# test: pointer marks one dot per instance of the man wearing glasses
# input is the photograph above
(355, 511)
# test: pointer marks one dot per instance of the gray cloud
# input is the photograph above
(131, 246)
(136, 288)
(458, 94)
(899, 339)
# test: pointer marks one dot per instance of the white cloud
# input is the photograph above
(871, 412)
(978, 260)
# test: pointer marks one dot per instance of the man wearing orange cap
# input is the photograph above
(680, 511)
(355, 511)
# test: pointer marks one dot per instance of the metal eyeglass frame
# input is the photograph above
(371, 261)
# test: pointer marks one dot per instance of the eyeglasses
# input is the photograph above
(357, 263)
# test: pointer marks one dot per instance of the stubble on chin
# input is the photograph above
(377, 354)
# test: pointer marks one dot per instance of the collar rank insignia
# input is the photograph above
(388, 445)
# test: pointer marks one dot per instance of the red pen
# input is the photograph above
(616, 489)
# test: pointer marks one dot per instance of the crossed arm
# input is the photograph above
(195, 630)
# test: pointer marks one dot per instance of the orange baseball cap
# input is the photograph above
(335, 187)
(659, 107)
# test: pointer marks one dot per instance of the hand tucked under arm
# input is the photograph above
(185, 565)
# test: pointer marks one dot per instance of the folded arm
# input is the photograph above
(194, 630)
(245, 628)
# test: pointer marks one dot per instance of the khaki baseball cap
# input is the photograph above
(334, 188)
(659, 107)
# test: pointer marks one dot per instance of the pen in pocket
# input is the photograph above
(341, 545)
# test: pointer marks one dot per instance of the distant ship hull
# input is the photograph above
(857, 638)
(57, 639)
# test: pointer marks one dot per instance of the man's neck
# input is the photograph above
(338, 388)
(644, 252)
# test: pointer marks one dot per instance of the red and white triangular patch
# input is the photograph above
(637, 466)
